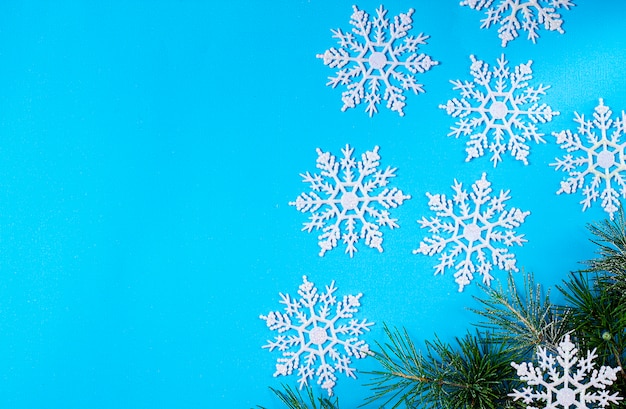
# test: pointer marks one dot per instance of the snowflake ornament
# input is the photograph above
(381, 64)
(316, 334)
(469, 225)
(500, 105)
(533, 13)
(352, 196)
(577, 383)
(600, 158)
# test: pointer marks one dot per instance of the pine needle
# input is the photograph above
(522, 321)
(474, 374)
(293, 399)
(598, 318)
(610, 237)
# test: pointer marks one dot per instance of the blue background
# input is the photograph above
(148, 153)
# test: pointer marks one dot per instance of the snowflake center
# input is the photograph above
(318, 336)
(606, 159)
(349, 201)
(498, 110)
(377, 60)
(566, 397)
(471, 232)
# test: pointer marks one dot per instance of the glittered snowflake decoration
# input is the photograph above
(316, 334)
(468, 226)
(349, 200)
(532, 12)
(600, 158)
(575, 382)
(498, 110)
(377, 61)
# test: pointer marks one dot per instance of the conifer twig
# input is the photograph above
(474, 374)
(610, 237)
(598, 318)
(522, 321)
(293, 399)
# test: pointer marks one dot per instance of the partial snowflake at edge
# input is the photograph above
(533, 12)
(498, 110)
(382, 65)
(467, 230)
(314, 335)
(595, 157)
(349, 200)
(578, 384)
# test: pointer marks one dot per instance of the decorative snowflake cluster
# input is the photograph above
(316, 333)
(533, 13)
(351, 192)
(381, 65)
(602, 158)
(499, 104)
(577, 384)
(462, 239)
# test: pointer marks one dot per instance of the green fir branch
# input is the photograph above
(476, 374)
(522, 320)
(610, 237)
(598, 318)
(293, 399)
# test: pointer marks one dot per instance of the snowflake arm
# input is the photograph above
(470, 227)
(312, 347)
(596, 159)
(381, 65)
(533, 13)
(349, 200)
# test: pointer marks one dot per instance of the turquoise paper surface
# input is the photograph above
(148, 156)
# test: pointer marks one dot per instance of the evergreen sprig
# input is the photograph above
(475, 374)
(598, 299)
(293, 399)
(610, 237)
(598, 320)
(522, 320)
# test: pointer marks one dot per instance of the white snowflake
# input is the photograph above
(533, 12)
(478, 226)
(602, 158)
(507, 107)
(349, 198)
(316, 334)
(577, 384)
(385, 58)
